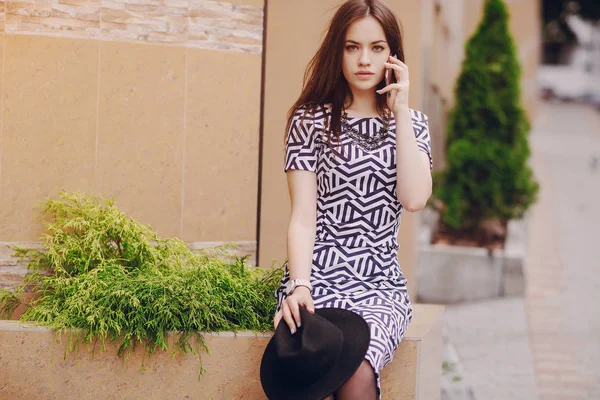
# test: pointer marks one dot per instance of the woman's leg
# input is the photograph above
(361, 386)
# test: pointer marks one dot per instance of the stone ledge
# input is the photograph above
(34, 363)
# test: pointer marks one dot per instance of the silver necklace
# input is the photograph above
(364, 140)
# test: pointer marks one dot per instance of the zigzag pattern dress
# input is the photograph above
(355, 263)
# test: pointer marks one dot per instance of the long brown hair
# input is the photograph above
(324, 81)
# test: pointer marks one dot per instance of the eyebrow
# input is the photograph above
(375, 42)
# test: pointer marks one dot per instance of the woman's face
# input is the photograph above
(365, 53)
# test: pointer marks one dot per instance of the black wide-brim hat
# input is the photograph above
(319, 358)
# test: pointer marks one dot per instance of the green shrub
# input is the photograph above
(105, 275)
(487, 175)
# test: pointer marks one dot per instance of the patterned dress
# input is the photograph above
(355, 264)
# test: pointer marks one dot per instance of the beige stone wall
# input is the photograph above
(203, 24)
(2, 7)
(447, 49)
(154, 103)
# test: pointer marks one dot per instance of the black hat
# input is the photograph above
(319, 358)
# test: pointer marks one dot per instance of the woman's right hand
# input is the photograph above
(290, 308)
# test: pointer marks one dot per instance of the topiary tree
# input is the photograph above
(487, 177)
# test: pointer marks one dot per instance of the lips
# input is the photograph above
(364, 75)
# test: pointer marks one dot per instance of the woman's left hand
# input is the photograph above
(397, 92)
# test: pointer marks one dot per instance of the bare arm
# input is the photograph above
(412, 166)
(302, 187)
(413, 170)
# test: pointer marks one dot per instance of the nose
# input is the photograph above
(365, 59)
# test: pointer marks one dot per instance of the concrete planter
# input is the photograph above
(34, 364)
(452, 274)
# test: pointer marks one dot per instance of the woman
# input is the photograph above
(356, 155)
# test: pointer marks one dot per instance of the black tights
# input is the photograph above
(361, 386)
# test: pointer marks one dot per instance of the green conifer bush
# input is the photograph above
(487, 175)
(105, 275)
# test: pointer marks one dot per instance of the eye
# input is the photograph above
(352, 47)
(378, 48)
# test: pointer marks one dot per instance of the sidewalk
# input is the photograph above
(545, 346)
(492, 344)
(563, 270)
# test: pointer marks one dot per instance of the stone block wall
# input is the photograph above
(13, 270)
(154, 103)
(193, 23)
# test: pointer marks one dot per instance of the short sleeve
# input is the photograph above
(300, 144)
(421, 128)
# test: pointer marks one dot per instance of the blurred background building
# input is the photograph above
(571, 50)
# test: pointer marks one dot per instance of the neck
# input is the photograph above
(364, 102)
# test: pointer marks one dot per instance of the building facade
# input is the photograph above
(176, 108)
